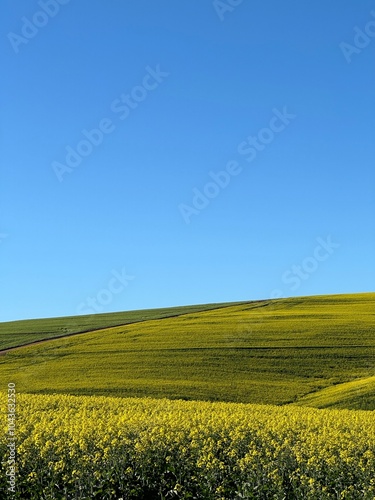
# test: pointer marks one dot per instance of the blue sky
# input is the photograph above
(160, 153)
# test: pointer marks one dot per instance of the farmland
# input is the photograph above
(270, 352)
(84, 447)
(269, 399)
(17, 333)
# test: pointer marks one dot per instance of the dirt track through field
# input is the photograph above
(42, 341)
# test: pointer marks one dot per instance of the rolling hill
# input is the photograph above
(17, 333)
(316, 351)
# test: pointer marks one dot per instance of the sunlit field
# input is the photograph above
(254, 400)
(16, 333)
(269, 352)
(110, 448)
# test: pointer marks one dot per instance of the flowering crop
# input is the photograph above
(93, 447)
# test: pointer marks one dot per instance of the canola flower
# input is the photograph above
(88, 447)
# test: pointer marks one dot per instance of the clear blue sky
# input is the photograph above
(265, 91)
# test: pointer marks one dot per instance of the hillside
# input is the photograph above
(358, 392)
(274, 352)
(17, 333)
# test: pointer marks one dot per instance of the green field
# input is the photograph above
(17, 333)
(318, 351)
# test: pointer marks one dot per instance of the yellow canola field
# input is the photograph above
(87, 447)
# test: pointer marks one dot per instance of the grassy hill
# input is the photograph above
(358, 392)
(17, 333)
(318, 351)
